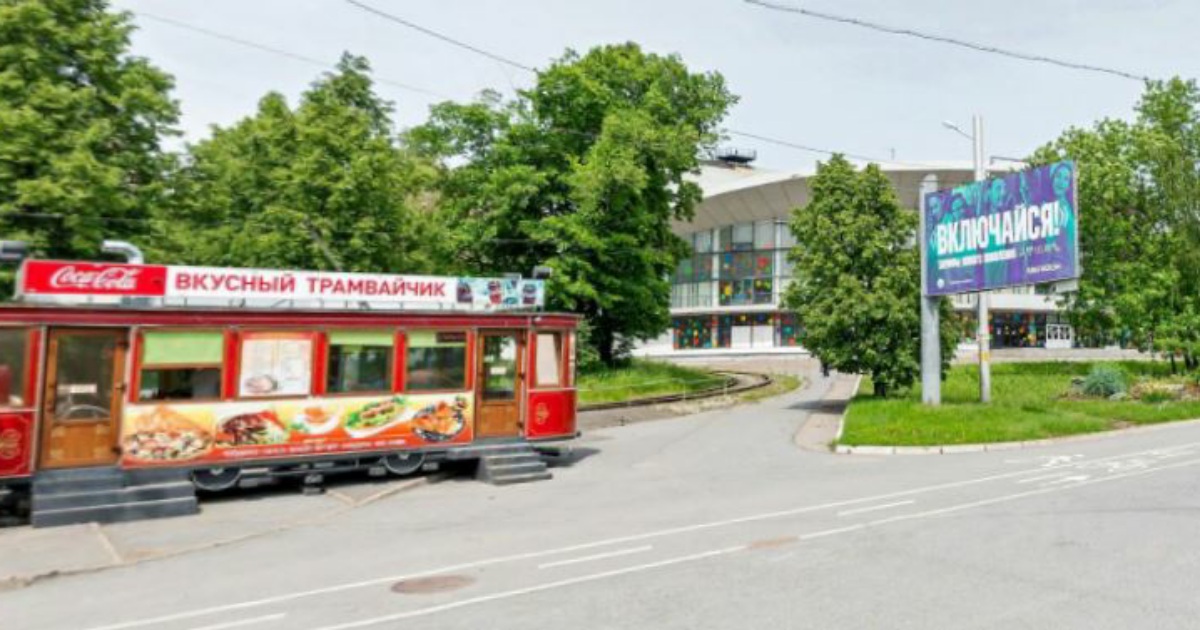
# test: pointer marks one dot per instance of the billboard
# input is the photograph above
(70, 281)
(1019, 229)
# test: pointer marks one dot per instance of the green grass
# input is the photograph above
(780, 384)
(642, 379)
(1027, 404)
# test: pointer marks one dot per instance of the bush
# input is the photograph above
(1104, 381)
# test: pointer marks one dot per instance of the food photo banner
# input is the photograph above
(65, 281)
(1015, 230)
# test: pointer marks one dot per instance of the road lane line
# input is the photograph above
(599, 556)
(243, 623)
(873, 508)
(363, 623)
(1043, 477)
(337, 588)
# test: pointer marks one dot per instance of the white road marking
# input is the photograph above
(1043, 477)
(599, 556)
(363, 623)
(243, 622)
(337, 588)
(1067, 479)
(533, 589)
(873, 508)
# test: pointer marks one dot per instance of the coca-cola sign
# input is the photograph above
(54, 277)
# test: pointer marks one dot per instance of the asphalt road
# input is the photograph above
(708, 521)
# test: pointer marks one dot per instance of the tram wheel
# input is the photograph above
(216, 479)
(405, 463)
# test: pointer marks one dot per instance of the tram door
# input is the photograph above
(499, 384)
(81, 405)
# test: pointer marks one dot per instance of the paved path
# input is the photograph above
(715, 520)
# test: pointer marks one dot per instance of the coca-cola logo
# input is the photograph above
(10, 444)
(106, 279)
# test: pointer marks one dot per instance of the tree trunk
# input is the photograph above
(880, 389)
(604, 340)
(1172, 364)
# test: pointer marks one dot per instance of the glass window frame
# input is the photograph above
(142, 366)
(314, 338)
(27, 388)
(560, 363)
(468, 356)
(327, 345)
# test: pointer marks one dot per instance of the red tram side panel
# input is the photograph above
(211, 389)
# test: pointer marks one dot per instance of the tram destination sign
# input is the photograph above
(87, 282)
(1019, 229)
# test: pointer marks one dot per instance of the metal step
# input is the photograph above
(131, 494)
(522, 478)
(77, 480)
(116, 512)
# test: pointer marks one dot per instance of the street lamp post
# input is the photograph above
(985, 371)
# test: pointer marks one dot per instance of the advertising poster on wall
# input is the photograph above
(1019, 229)
(199, 432)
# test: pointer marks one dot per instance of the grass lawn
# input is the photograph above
(642, 379)
(1027, 404)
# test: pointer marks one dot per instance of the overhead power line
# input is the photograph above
(279, 51)
(445, 38)
(811, 149)
(942, 39)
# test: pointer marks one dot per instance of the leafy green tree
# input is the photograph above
(857, 286)
(321, 186)
(80, 128)
(584, 172)
(1139, 188)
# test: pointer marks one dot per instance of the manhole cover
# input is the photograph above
(432, 584)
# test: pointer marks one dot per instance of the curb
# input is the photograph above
(954, 449)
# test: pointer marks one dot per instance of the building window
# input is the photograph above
(14, 349)
(181, 365)
(549, 359)
(276, 364)
(764, 235)
(703, 242)
(359, 361)
(743, 236)
(436, 361)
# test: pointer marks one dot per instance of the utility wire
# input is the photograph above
(942, 39)
(445, 38)
(810, 149)
(278, 51)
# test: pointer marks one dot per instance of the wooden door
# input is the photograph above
(81, 406)
(499, 384)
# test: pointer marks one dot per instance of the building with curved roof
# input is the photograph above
(727, 296)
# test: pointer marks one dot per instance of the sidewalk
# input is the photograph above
(824, 424)
(28, 554)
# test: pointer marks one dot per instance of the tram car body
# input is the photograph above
(112, 382)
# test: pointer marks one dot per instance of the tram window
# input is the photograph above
(436, 361)
(359, 361)
(276, 364)
(549, 359)
(181, 365)
(13, 354)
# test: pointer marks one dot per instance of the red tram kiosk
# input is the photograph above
(123, 387)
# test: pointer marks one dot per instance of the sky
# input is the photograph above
(799, 79)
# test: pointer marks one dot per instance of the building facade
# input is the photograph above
(727, 296)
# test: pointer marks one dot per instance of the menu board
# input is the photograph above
(276, 364)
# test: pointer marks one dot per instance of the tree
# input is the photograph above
(323, 186)
(584, 172)
(1139, 192)
(857, 286)
(80, 125)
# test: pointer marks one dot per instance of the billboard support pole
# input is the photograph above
(931, 351)
(985, 369)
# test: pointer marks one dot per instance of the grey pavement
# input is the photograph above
(713, 520)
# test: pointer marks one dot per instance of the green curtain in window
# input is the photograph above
(182, 348)
(361, 338)
(428, 339)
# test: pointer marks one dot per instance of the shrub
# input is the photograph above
(1104, 381)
